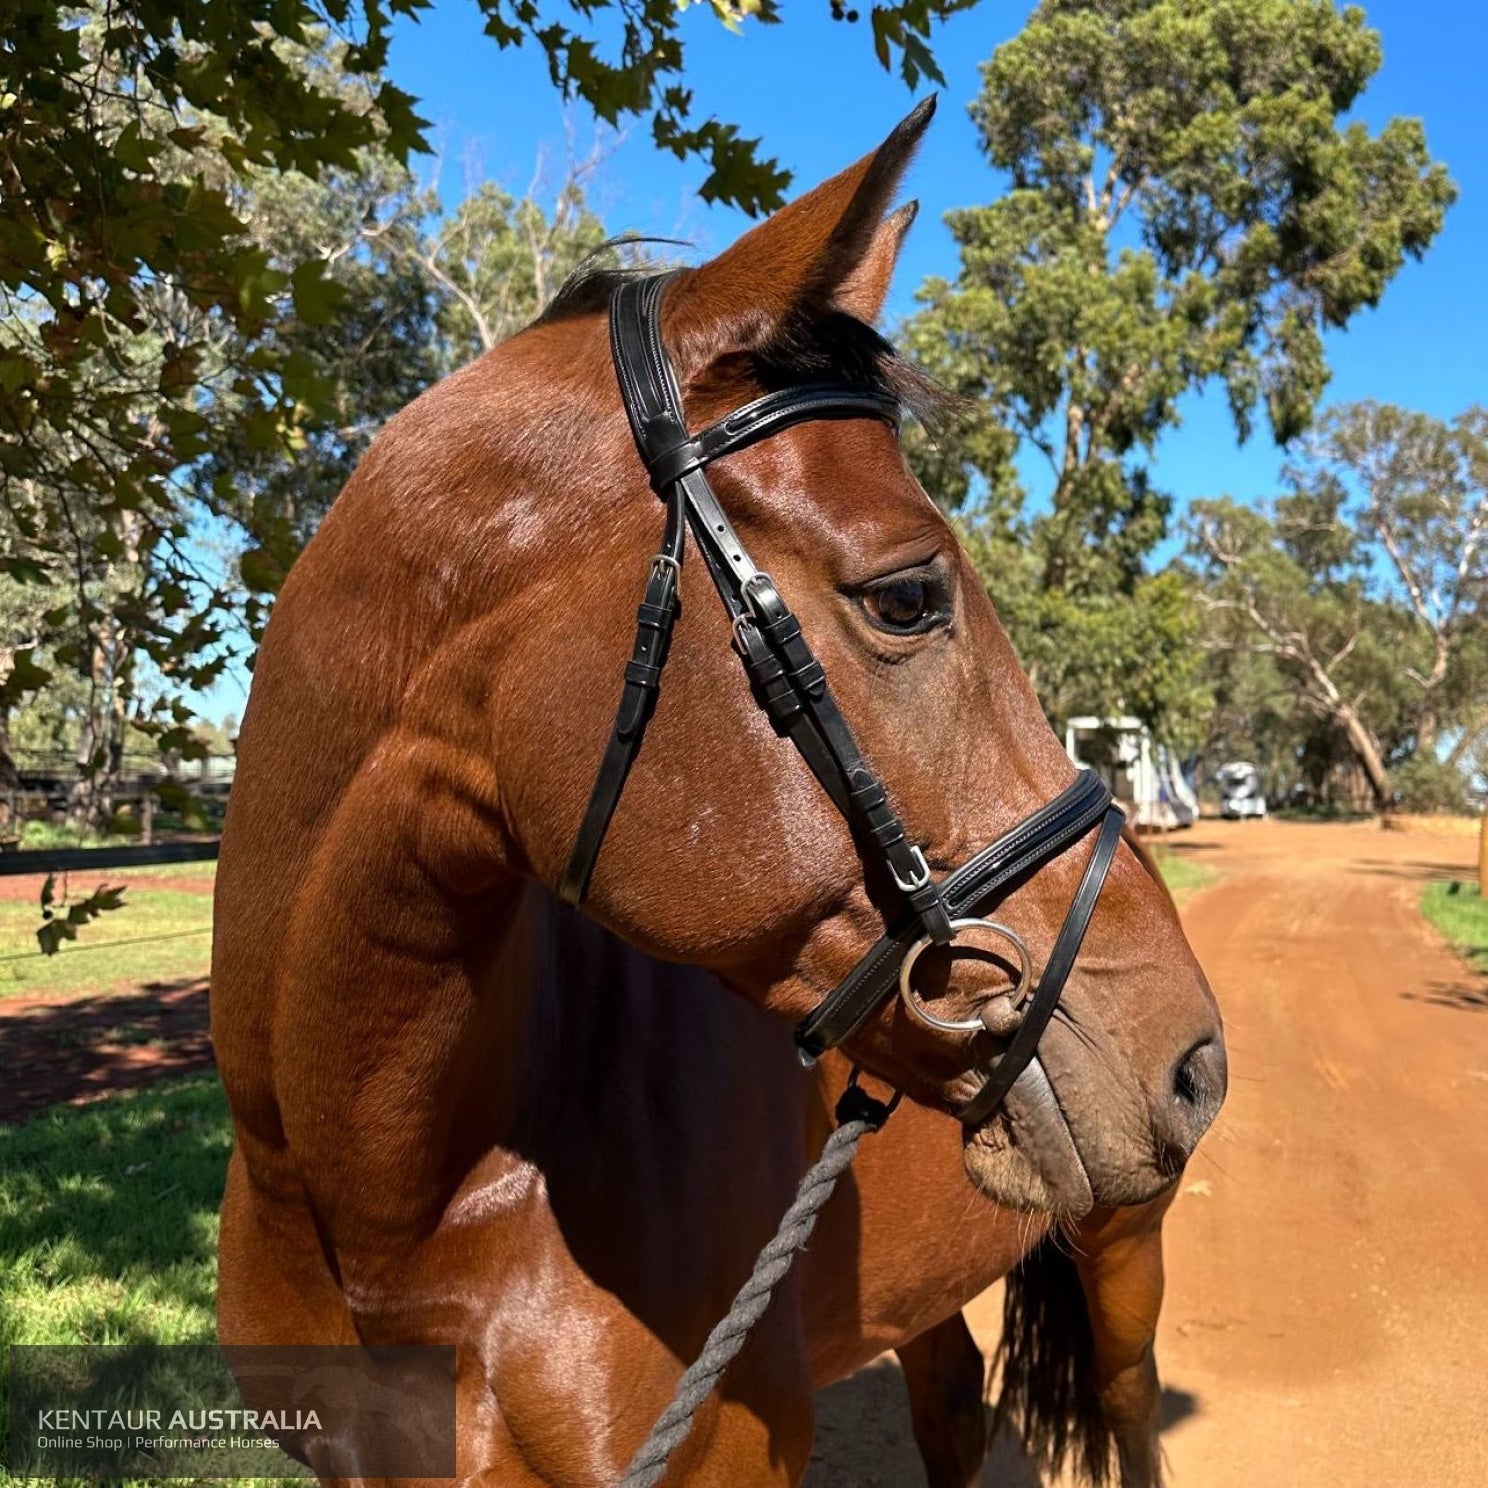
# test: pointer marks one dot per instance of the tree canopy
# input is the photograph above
(188, 375)
(1360, 597)
(1186, 205)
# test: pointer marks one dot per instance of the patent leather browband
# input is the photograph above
(789, 684)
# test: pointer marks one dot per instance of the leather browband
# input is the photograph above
(790, 685)
(767, 416)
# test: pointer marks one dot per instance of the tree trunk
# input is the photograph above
(1366, 751)
(98, 759)
(10, 776)
(81, 805)
(1426, 731)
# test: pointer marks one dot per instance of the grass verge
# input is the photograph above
(108, 1214)
(108, 1222)
(1183, 876)
(161, 934)
(1459, 911)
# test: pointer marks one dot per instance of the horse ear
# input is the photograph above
(830, 249)
(864, 290)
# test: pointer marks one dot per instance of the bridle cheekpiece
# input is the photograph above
(789, 684)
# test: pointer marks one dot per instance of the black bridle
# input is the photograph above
(790, 685)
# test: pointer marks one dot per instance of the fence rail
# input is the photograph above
(67, 859)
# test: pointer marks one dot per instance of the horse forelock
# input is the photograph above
(731, 350)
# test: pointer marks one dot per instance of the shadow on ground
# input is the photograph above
(56, 1050)
(864, 1439)
(1416, 872)
(1463, 996)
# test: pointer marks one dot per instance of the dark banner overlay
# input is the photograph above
(203, 1411)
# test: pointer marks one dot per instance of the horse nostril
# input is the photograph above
(1188, 1082)
(1198, 1089)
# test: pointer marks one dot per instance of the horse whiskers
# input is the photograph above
(1168, 1164)
(1062, 1231)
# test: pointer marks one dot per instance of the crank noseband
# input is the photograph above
(789, 684)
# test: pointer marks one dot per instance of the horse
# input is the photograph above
(467, 1113)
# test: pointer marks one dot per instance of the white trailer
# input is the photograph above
(1142, 775)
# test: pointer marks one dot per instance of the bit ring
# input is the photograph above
(917, 1009)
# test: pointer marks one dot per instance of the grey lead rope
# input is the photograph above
(857, 1115)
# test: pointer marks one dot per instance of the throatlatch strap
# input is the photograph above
(655, 618)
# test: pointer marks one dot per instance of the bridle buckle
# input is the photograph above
(736, 628)
(918, 879)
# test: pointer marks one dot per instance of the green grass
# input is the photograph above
(108, 1221)
(108, 1218)
(1459, 912)
(43, 834)
(161, 934)
(1183, 876)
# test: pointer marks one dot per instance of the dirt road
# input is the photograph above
(1327, 1312)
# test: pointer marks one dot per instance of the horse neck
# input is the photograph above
(601, 1023)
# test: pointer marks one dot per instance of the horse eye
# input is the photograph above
(903, 605)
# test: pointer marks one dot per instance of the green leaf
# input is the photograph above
(26, 676)
(53, 932)
(133, 150)
(317, 297)
(261, 570)
(24, 569)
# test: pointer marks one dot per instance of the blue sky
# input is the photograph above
(814, 93)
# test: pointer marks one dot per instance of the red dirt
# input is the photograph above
(1327, 1312)
(27, 886)
(57, 1050)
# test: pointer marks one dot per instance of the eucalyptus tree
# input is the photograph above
(1416, 488)
(1291, 583)
(1186, 205)
(1366, 588)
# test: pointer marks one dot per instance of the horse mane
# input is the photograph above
(587, 289)
(815, 344)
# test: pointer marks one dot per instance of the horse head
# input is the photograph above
(514, 502)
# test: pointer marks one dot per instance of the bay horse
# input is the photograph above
(468, 1114)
